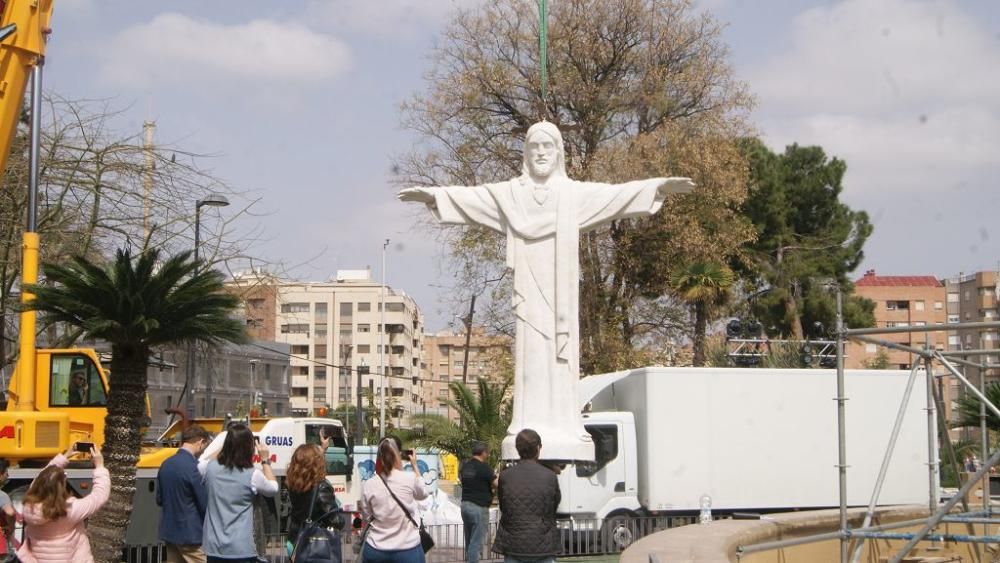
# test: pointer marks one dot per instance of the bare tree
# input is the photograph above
(640, 88)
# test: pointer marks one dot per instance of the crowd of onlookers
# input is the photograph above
(207, 503)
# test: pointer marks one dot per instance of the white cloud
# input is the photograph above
(387, 18)
(176, 48)
(863, 56)
(906, 92)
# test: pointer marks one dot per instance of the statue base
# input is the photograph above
(556, 446)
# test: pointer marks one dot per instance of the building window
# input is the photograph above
(295, 308)
(871, 348)
(953, 298)
(394, 307)
(298, 328)
(443, 393)
(364, 307)
(346, 309)
(320, 372)
(320, 310)
(918, 305)
(938, 305)
(966, 296)
(320, 330)
(953, 319)
(320, 351)
(364, 349)
(255, 303)
(364, 328)
(919, 323)
(895, 305)
(301, 350)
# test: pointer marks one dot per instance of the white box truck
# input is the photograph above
(752, 439)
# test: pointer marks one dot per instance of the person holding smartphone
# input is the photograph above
(389, 502)
(55, 530)
(231, 481)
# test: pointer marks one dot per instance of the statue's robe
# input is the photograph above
(543, 227)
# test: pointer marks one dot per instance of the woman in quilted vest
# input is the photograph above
(55, 530)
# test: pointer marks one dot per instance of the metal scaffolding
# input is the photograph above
(939, 513)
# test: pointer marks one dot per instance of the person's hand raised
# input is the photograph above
(97, 457)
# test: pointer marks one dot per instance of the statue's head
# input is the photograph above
(543, 151)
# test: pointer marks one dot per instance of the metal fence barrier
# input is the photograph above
(579, 537)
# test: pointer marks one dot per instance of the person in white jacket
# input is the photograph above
(394, 535)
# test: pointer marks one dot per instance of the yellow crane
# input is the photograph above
(56, 396)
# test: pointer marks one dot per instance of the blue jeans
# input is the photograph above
(413, 555)
(509, 559)
(476, 520)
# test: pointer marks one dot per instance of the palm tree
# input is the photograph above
(482, 416)
(135, 304)
(968, 409)
(705, 286)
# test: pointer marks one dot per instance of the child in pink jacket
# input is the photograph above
(54, 520)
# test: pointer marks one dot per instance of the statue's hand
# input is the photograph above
(421, 195)
(677, 186)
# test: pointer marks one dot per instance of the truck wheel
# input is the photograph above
(618, 532)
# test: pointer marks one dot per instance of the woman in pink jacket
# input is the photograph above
(54, 520)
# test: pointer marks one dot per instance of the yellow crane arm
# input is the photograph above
(23, 28)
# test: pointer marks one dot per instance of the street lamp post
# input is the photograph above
(359, 433)
(381, 354)
(212, 200)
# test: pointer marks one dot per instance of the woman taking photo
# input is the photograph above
(307, 474)
(231, 481)
(54, 519)
(393, 535)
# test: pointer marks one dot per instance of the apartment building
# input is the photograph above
(446, 361)
(973, 298)
(900, 301)
(335, 334)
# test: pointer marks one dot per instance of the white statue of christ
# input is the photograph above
(542, 213)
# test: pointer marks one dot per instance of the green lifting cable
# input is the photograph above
(543, 27)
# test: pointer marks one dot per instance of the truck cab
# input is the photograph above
(608, 485)
(70, 402)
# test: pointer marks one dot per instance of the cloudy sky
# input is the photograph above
(299, 102)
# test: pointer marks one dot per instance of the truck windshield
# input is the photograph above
(75, 382)
(337, 453)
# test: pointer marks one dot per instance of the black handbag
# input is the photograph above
(315, 543)
(426, 540)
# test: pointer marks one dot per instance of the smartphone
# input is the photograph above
(84, 447)
(408, 454)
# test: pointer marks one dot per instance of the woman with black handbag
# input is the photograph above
(388, 502)
(312, 498)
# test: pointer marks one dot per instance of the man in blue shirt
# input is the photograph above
(181, 494)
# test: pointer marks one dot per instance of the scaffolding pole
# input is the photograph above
(884, 469)
(841, 428)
